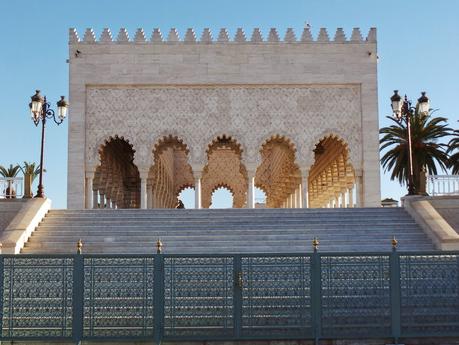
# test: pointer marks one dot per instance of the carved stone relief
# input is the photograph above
(198, 114)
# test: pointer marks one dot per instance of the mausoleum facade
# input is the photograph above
(295, 117)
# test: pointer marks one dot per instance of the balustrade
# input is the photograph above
(443, 185)
(11, 187)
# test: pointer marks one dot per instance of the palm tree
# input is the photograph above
(427, 152)
(454, 158)
(30, 173)
(10, 172)
(29, 169)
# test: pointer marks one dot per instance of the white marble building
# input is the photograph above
(152, 115)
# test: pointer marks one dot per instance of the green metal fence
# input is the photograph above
(231, 297)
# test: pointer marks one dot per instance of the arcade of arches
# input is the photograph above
(330, 182)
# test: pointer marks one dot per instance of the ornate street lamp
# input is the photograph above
(41, 110)
(403, 110)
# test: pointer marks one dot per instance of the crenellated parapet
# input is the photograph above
(190, 37)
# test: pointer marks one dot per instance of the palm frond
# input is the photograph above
(426, 131)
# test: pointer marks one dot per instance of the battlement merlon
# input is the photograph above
(206, 37)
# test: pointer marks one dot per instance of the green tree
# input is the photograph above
(453, 150)
(12, 171)
(426, 130)
(30, 169)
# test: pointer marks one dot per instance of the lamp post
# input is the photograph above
(404, 110)
(41, 110)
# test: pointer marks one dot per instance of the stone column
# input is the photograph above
(299, 201)
(351, 197)
(95, 199)
(89, 192)
(197, 189)
(358, 191)
(304, 187)
(251, 189)
(149, 196)
(143, 189)
(109, 205)
(113, 204)
(101, 200)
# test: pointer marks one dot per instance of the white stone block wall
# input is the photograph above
(290, 70)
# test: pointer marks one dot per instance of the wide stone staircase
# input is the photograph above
(226, 231)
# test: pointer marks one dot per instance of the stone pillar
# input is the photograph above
(89, 192)
(351, 197)
(304, 188)
(101, 200)
(251, 189)
(113, 204)
(95, 199)
(143, 190)
(109, 205)
(197, 189)
(149, 196)
(358, 191)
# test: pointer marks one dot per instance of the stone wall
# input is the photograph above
(196, 90)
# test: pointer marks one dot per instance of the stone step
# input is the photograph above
(225, 250)
(178, 214)
(248, 227)
(132, 231)
(212, 231)
(264, 220)
(226, 231)
(212, 238)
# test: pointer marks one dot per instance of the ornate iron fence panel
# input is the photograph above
(118, 297)
(229, 297)
(429, 295)
(355, 296)
(37, 297)
(198, 297)
(276, 300)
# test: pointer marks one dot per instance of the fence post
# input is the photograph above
(316, 287)
(78, 292)
(395, 294)
(238, 282)
(158, 291)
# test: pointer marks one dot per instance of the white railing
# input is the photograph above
(11, 187)
(443, 185)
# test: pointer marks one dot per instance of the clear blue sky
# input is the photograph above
(418, 48)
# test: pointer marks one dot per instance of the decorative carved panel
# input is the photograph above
(198, 114)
